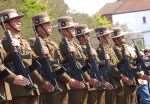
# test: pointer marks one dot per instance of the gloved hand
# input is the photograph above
(21, 81)
(108, 86)
(76, 84)
(48, 86)
(15, 42)
(93, 82)
(45, 51)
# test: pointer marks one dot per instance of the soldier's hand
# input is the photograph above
(21, 81)
(94, 82)
(72, 49)
(93, 52)
(15, 42)
(48, 86)
(108, 86)
(45, 51)
(76, 84)
(127, 80)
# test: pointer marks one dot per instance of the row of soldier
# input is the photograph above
(39, 71)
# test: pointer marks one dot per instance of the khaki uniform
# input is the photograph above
(6, 77)
(75, 96)
(55, 57)
(129, 91)
(20, 94)
(111, 97)
(93, 96)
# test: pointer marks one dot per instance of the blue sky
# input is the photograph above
(86, 6)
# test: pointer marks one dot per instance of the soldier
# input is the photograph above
(50, 49)
(94, 97)
(108, 62)
(124, 51)
(73, 58)
(21, 94)
(7, 76)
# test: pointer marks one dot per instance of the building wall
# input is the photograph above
(147, 40)
(134, 20)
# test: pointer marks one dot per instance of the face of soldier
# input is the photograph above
(68, 33)
(119, 41)
(83, 39)
(104, 39)
(15, 25)
(44, 30)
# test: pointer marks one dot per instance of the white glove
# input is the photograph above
(21, 80)
(15, 42)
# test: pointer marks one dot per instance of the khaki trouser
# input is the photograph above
(130, 95)
(78, 96)
(6, 102)
(92, 97)
(54, 98)
(26, 100)
(110, 97)
(120, 96)
(101, 97)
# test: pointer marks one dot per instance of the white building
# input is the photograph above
(135, 14)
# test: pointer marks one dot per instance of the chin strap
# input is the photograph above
(12, 27)
(44, 30)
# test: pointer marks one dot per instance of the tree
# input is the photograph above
(102, 21)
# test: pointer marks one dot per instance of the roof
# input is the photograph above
(125, 6)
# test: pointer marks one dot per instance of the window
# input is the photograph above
(144, 20)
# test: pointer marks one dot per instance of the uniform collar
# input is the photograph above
(17, 36)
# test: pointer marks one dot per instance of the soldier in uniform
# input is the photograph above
(6, 77)
(43, 29)
(124, 51)
(108, 63)
(95, 96)
(20, 94)
(73, 58)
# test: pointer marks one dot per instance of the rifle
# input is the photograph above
(16, 60)
(46, 69)
(107, 69)
(95, 71)
(75, 69)
(124, 65)
(140, 62)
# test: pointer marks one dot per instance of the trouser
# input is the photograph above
(101, 97)
(110, 97)
(26, 100)
(54, 98)
(6, 102)
(143, 94)
(78, 96)
(130, 95)
(92, 97)
(120, 96)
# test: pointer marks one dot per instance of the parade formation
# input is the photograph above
(40, 71)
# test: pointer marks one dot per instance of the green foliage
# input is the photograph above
(31, 7)
(83, 19)
(102, 21)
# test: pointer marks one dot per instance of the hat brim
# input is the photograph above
(70, 26)
(17, 17)
(42, 23)
(100, 35)
(122, 34)
(89, 31)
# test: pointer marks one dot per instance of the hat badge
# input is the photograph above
(63, 24)
(78, 31)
